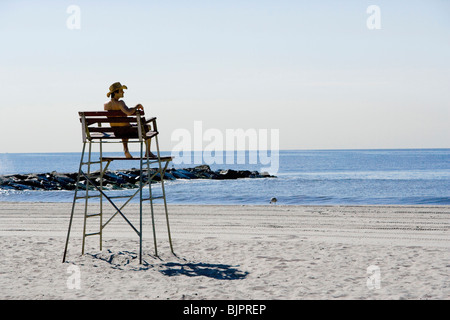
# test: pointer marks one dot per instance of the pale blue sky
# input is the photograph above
(311, 69)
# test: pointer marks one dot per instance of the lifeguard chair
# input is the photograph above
(96, 128)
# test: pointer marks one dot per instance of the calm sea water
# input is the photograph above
(319, 177)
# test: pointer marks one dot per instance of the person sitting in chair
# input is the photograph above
(116, 92)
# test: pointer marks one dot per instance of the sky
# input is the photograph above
(313, 70)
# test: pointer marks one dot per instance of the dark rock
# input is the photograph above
(203, 168)
(19, 186)
(233, 174)
(169, 176)
(187, 173)
(119, 179)
(178, 174)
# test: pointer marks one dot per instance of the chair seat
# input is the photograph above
(112, 125)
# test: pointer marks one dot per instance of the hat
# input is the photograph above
(115, 86)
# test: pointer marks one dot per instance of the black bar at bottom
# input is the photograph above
(235, 309)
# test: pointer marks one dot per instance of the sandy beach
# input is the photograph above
(230, 252)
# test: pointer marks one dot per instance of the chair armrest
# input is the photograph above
(151, 119)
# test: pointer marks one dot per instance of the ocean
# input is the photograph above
(303, 177)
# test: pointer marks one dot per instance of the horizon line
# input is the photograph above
(247, 150)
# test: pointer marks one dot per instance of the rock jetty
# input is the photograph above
(117, 179)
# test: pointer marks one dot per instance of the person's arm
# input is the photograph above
(129, 111)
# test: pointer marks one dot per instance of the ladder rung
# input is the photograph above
(92, 234)
(153, 198)
(93, 196)
(93, 215)
(92, 162)
(118, 197)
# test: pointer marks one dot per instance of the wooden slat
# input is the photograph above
(109, 113)
(104, 135)
(101, 129)
(111, 129)
(91, 121)
(111, 135)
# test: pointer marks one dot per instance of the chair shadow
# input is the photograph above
(215, 271)
(126, 260)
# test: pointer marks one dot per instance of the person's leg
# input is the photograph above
(148, 143)
(125, 148)
(149, 153)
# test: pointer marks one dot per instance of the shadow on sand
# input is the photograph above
(216, 271)
(126, 260)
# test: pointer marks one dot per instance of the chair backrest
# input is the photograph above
(104, 130)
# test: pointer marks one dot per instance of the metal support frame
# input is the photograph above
(91, 185)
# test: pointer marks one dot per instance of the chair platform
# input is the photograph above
(163, 159)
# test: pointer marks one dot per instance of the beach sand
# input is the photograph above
(229, 252)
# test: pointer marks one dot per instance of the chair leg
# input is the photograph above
(73, 203)
(151, 200)
(140, 206)
(164, 195)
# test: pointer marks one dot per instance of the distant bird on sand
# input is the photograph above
(273, 200)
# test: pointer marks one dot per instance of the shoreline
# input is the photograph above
(230, 252)
(293, 206)
(263, 205)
